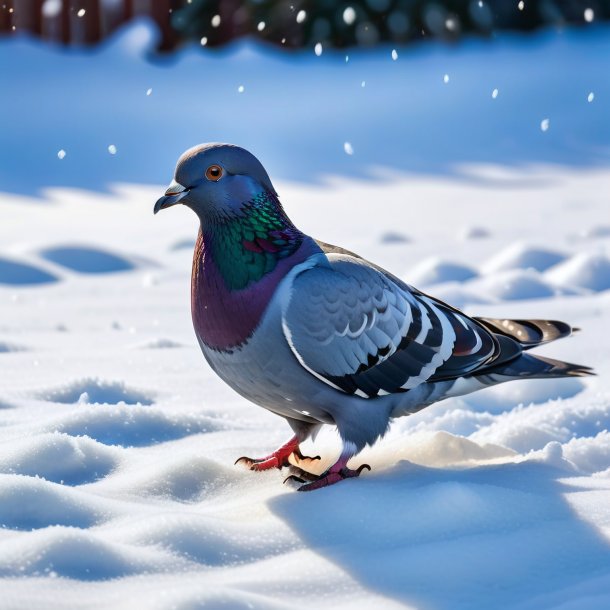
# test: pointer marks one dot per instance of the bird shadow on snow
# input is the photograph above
(483, 537)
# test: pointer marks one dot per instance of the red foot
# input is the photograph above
(333, 475)
(277, 459)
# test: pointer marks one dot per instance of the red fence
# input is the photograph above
(83, 22)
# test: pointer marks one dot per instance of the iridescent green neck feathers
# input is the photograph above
(248, 245)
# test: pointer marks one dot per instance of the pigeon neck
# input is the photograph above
(237, 267)
(247, 246)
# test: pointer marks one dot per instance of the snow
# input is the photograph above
(117, 441)
(436, 271)
(524, 256)
(589, 270)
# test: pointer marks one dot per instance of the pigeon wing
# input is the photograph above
(365, 332)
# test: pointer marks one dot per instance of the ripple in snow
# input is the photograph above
(393, 237)
(31, 503)
(97, 391)
(131, 426)
(22, 274)
(437, 271)
(517, 285)
(590, 271)
(83, 259)
(5, 348)
(522, 256)
(160, 343)
(76, 554)
(59, 458)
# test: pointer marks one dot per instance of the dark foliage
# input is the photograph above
(296, 23)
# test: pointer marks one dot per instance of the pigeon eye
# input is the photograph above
(214, 173)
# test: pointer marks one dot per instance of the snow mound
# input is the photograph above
(185, 478)
(97, 391)
(187, 243)
(443, 449)
(597, 232)
(458, 296)
(522, 256)
(532, 427)
(208, 540)
(590, 454)
(59, 458)
(517, 285)
(84, 259)
(33, 503)
(131, 426)
(475, 233)
(437, 271)
(5, 348)
(20, 274)
(75, 554)
(394, 237)
(506, 396)
(585, 270)
(159, 343)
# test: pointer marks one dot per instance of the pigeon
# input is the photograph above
(319, 335)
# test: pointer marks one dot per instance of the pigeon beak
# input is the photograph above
(174, 193)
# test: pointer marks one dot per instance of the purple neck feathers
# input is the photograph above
(225, 318)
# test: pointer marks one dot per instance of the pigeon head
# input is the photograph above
(215, 180)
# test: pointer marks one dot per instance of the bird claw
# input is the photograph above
(248, 461)
(299, 457)
(266, 463)
(330, 477)
(302, 475)
(294, 479)
(275, 460)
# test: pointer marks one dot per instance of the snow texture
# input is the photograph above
(117, 441)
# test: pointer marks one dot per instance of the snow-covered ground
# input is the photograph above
(117, 484)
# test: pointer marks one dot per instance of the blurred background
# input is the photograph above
(294, 24)
(106, 91)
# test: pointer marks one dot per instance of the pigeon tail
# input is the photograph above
(535, 367)
(529, 333)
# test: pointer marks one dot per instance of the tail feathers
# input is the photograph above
(529, 333)
(536, 367)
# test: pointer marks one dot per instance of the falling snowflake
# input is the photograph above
(215, 21)
(544, 124)
(348, 148)
(349, 15)
(61, 154)
(240, 89)
(148, 91)
(394, 54)
(589, 15)
(204, 41)
(301, 16)
(112, 149)
(590, 97)
(81, 12)
(521, 5)
(446, 78)
(318, 49)
(494, 94)
(261, 26)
